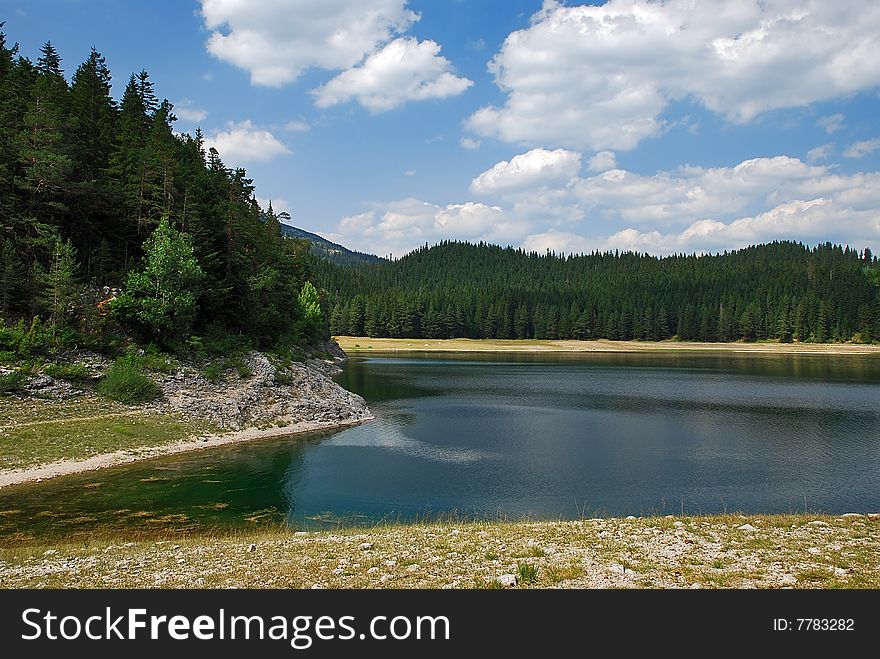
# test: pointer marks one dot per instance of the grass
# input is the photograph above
(358, 344)
(35, 432)
(126, 382)
(639, 553)
(12, 381)
(76, 373)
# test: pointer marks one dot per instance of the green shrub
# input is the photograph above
(11, 381)
(125, 382)
(69, 372)
(527, 572)
(213, 372)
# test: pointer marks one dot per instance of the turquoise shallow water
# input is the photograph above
(539, 436)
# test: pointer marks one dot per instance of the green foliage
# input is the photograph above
(780, 291)
(12, 381)
(61, 291)
(125, 382)
(84, 186)
(163, 296)
(71, 372)
(527, 573)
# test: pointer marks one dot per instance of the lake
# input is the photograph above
(516, 436)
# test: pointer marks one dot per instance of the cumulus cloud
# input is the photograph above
(691, 208)
(187, 110)
(862, 149)
(404, 70)
(831, 124)
(535, 168)
(276, 40)
(602, 162)
(400, 226)
(814, 220)
(600, 77)
(242, 143)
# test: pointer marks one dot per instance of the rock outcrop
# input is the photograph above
(268, 395)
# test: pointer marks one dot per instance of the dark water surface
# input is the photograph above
(543, 436)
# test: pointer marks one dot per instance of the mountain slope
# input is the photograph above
(330, 251)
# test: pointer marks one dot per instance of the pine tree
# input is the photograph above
(61, 290)
(11, 276)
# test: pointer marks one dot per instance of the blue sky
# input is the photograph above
(386, 124)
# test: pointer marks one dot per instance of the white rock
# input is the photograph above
(617, 568)
(818, 522)
(678, 525)
(317, 586)
(630, 517)
(301, 533)
(851, 515)
(814, 551)
(746, 527)
(695, 586)
(50, 552)
(840, 572)
(252, 548)
(373, 570)
(366, 546)
(788, 580)
(507, 580)
(390, 563)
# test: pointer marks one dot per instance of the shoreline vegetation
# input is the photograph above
(724, 551)
(362, 344)
(51, 428)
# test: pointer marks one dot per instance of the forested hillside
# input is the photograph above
(782, 291)
(98, 193)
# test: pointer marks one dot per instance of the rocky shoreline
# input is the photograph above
(264, 398)
(267, 395)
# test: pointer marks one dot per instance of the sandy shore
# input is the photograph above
(66, 467)
(360, 345)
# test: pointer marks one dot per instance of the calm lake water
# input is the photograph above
(549, 436)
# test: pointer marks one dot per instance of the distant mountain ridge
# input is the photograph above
(323, 248)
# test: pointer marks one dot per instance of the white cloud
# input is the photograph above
(242, 143)
(821, 152)
(602, 162)
(297, 126)
(862, 149)
(276, 40)
(185, 109)
(559, 242)
(400, 226)
(469, 143)
(691, 208)
(832, 123)
(535, 168)
(600, 77)
(410, 172)
(812, 221)
(404, 70)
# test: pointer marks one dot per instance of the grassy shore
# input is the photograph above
(42, 439)
(777, 551)
(35, 431)
(362, 344)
